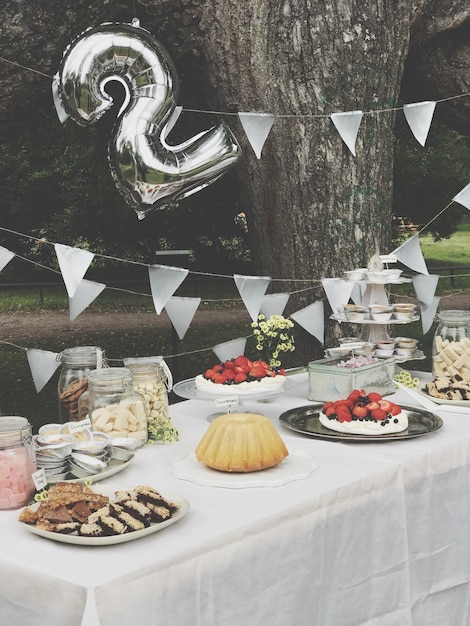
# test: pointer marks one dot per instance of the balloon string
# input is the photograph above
(24, 67)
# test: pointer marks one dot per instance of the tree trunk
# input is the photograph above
(313, 208)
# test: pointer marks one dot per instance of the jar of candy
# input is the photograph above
(17, 462)
(76, 364)
(451, 344)
(114, 406)
(150, 379)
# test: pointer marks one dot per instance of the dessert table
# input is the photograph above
(377, 534)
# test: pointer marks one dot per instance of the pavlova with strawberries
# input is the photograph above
(364, 414)
(240, 376)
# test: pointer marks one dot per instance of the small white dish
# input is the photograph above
(406, 342)
(377, 277)
(357, 274)
(384, 354)
(49, 429)
(381, 317)
(386, 344)
(399, 315)
(404, 352)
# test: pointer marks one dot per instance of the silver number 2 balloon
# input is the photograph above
(148, 172)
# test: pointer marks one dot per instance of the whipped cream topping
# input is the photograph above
(396, 424)
(267, 384)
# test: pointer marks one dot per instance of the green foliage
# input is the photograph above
(426, 179)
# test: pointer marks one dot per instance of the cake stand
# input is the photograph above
(233, 402)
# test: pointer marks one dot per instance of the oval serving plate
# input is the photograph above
(109, 490)
(305, 420)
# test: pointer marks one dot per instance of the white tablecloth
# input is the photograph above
(378, 535)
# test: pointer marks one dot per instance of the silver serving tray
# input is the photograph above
(305, 420)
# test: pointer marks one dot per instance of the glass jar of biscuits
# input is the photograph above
(17, 462)
(451, 346)
(114, 407)
(150, 379)
(76, 364)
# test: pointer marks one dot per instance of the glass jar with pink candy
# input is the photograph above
(17, 462)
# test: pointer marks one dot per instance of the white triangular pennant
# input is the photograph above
(428, 313)
(425, 287)
(252, 290)
(419, 118)
(463, 197)
(164, 281)
(42, 364)
(5, 257)
(230, 349)
(257, 127)
(311, 318)
(274, 304)
(347, 124)
(181, 312)
(84, 295)
(73, 263)
(357, 294)
(410, 254)
(338, 292)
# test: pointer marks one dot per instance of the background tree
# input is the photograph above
(313, 209)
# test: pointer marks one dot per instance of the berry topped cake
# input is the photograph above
(364, 414)
(240, 376)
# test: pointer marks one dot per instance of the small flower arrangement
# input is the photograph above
(273, 338)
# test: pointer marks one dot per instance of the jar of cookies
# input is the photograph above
(451, 345)
(114, 406)
(17, 462)
(76, 364)
(150, 379)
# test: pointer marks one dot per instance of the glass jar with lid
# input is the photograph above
(149, 378)
(17, 461)
(114, 406)
(76, 364)
(451, 344)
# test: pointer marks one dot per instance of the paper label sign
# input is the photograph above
(388, 258)
(352, 345)
(76, 427)
(226, 401)
(39, 479)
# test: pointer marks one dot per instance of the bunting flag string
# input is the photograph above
(257, 124)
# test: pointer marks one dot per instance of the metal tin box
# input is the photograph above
(328, 381)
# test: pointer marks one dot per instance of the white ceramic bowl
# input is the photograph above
(405, 352)
(357, 274)
(381, 317)
(406, 342)
(386, 344)
(400, 315)
(49, 429)
(384, 354)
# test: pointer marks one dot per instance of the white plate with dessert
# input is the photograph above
(138, 521)
(189, 390)
(306, 420)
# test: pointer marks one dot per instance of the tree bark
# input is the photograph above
(313, 208)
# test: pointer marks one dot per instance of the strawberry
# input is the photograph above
(242, 361)
(257, 371)
(385, 405)
(327, 405)
(359, 410)
(229, 374)
(219, 379)
(372, 406)
(229, 365)
(240, 377)
(344, 414)
(354, 395)
(378, 414)
(209, 374)
(218, 369)
(394, 409)
(374, 397)
(330, 411)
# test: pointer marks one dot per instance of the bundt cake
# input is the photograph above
(241, 442)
